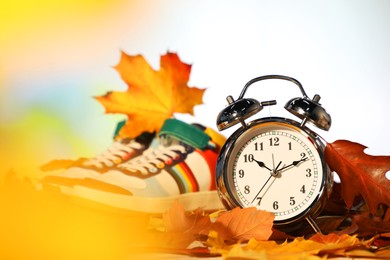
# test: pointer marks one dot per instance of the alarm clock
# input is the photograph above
(275, 163)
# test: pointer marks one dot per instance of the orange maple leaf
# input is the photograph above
(360, 174)
(152, 96)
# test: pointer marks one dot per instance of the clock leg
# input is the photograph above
(313, 225)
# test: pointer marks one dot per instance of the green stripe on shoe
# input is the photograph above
(186, 133)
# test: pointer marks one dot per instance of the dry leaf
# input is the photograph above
(152, 96)
(176, 219)
(360, 174)
(299, 248)
(335, 241)
(242, 224)
(382, 241)
(369, 225)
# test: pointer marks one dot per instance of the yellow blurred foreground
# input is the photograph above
(41, 225)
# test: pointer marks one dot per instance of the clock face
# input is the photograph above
(275, 167)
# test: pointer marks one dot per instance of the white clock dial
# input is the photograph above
(276, 168)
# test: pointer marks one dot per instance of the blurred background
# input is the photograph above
(55, 56)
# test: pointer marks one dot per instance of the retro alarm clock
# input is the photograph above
(274, 163)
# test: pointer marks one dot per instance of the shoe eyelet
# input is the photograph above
(153, 170)
(126, 156)
(160, 165)
(177, 157)
(109, 164)
(117, 160)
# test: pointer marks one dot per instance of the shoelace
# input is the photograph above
(154, 159)
(117, 153)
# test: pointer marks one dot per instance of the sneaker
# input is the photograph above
(120, 151)
(181, 168)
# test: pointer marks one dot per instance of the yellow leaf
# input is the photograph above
(271, 250)
(301, 248)
(152, 96)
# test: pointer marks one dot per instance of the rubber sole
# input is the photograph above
(205, 200)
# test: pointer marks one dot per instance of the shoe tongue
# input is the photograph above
(174, 130)
(168, 140)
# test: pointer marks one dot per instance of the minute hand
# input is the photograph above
(294, 163)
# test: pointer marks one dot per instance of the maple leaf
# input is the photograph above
(152, 96)
(360, 174)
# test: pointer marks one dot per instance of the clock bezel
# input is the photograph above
(226, 192)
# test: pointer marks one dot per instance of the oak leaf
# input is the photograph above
(152, 95)
(360, 174)
(369, 225)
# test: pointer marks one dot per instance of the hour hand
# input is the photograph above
(294, 163)
(261, 164)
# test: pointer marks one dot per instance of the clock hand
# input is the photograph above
(261, 189)
(261, 164)
(273, 173)
(294, 163)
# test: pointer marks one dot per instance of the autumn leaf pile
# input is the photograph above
(355, 222)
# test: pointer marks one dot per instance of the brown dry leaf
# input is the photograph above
(152, 96)
(382, 241)
(242, 224)
(176, 219)
(369, 225)
(360, 174)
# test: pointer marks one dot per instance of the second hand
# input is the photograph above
(272, 174)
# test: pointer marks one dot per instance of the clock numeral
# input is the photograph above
(308, 172)
(259, 146)
(248, 157)
(289, 146)
(275, 205)
(303, 189)
(274, 141)
(292, 201)
(259, 200)
(247, 189)
(241, 173)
